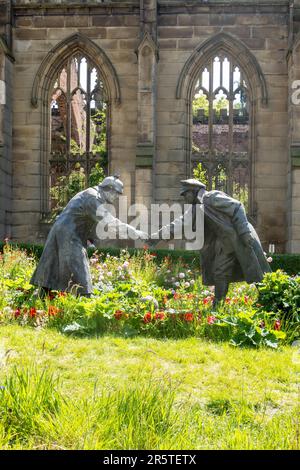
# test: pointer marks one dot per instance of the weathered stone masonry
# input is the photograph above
(149, 52)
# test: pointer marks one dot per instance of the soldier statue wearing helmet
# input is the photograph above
(64, 264)
(232, 251)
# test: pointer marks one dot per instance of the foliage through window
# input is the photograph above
(78, 131)
(221, 127)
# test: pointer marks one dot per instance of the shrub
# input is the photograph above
(289, 263)
(279, 297)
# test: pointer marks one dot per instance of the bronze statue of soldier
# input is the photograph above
(232, 251)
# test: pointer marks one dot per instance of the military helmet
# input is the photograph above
(191, 185)
(113, 182)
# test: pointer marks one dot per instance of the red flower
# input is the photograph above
(177, 296)
(147, 317)
(52, 310)
(211, 320)
(145, 247)
(207, 300)
(189, 317)
(190, 296)
(165, 299)
(246, 299)
(118, 314)
(228, 300)
(62, 294)
(159, 316)
(277, 325)
(32, 312)
(17, 312)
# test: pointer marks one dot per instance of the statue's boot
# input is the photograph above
(221, 289)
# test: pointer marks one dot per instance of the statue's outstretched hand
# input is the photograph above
(142, 235)
(153, 240)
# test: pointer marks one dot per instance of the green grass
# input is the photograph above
(115, 393)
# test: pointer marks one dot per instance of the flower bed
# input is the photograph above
(136, 295)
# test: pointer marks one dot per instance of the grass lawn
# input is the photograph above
(59, 392)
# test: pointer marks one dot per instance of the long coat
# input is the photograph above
(64, 264)
(225, 221)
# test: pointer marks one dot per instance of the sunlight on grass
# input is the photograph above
(141, 393)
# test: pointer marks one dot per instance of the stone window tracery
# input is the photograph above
(79, 113)
(221, 127)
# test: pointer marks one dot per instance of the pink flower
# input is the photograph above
(17, 313)
(277, 325)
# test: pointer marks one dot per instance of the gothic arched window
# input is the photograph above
(221, 127)
(78, 130)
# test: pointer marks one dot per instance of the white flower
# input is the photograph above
(125, 265)
(187, 284)
(119, 268)
(109, 274)
(168, 271)
(104, 265)
(192, 282)
(269, 259)
(171, 311)
(177, 284)
(181, 275)
(8, 310)
(172, 279)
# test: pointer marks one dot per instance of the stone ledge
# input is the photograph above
(144, 155)
(295, 155)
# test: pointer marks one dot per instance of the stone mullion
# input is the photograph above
(211, 162)
(69, 116)
(230, 132)
(88, 123)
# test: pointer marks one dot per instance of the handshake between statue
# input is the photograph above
(232, 251)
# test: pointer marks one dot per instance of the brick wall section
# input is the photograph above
(182, 26)
(118, 36)
(265, 33)
(6, 70)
